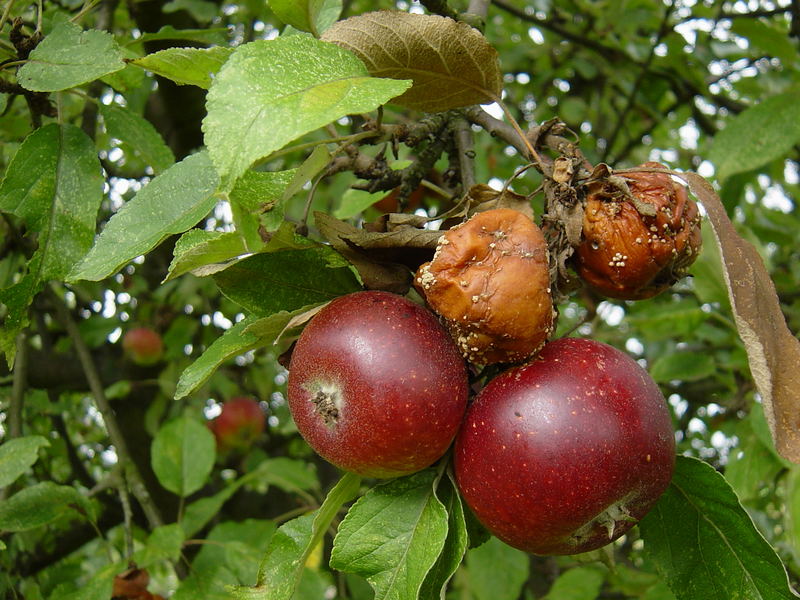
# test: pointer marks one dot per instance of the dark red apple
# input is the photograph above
(376, 385)
(238, 425)
(143, 346)
(565, 454)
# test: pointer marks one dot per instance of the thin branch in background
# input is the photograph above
(125, 500)
(479, 8)
(465, 146)
(138, 488)
(631, 100)
(18, 386)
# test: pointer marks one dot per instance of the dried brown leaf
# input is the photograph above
(377, 273)
(482, 197)
(772, 350)
(452, 64)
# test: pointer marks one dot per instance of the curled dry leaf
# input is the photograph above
(452, 64)
(772, 350)
(384, 260)
(482, 197)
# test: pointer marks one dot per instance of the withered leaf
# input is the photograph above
(376, 273)
(482, 197)
(452, 64)
(772, 350)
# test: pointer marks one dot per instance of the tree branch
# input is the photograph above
(138, 487)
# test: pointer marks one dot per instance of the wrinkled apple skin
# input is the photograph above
(376, 385)
(565, 454)
(143, 345)
(238, 425)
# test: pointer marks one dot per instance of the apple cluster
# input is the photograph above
(561, 453)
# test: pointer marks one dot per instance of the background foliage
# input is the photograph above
(141, 121)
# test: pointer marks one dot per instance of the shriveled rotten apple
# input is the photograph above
(565, 454)
(376, 385)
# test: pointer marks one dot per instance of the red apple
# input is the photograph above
(143, 346)
(376, 385)
(565, 454)
(238, 425)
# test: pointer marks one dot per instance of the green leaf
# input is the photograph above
(39, 505)
(269, 93)
(683, 366)
(183, 453)
(69, 57)
(203, 252)
(751, 466)
(186, 66)
(209, 35)
(139, 134)
(455, 544)
(230, 344)
(54, 185)
(236, 341)
(171, 203)
(290, 475)
(164, 543)
(260, 194)
(287, 280)
(356, 201)
(705, 544)
(203, 11)
(293, 542)
(17, 455)
(393, 536)
(314, 16)
(495, 570)
(578, 583)
(758, 135)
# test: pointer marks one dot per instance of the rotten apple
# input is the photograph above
(565, 454)
(143, 345)
(376, 385)
(238, 425)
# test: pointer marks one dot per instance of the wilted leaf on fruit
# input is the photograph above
(451, 63)
(772, 350)
(375, 274)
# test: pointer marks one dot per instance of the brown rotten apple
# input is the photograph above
(376, 386)
(565, 454)
(489, 279)
(637, 245)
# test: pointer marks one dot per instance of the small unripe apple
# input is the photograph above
(565, 454)
(238, 425)
(143, 345)
(376, 385)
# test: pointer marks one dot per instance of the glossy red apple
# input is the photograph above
(238, 425)
(565, 454)
(143, 345)
(376, 385)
